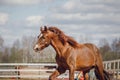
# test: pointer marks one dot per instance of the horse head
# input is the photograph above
(44, 39)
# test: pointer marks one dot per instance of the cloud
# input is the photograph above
(22, 2)
(3, 18)
(91, 33)
(99, 12)
(92, 6)
(94, 19)
(34, 20)
(89, 18)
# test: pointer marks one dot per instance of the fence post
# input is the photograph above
(17, 72)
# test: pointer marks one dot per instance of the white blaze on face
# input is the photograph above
(41, 35)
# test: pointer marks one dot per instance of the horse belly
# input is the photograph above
(84, 62)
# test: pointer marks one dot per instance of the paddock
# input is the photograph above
(41, 71)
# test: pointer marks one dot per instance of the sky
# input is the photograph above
(89, 20)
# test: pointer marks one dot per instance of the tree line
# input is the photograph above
(110, 51)
(22, 51)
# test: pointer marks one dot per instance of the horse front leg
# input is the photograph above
(71, 73)
(56, 73)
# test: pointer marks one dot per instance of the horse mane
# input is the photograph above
(63, 38)
(72, 42)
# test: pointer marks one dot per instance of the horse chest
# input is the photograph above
(61, 61)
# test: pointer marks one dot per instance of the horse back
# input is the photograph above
(92, 47)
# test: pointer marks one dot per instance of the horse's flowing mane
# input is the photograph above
(63, 38)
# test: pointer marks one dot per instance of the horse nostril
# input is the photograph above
(36, 48)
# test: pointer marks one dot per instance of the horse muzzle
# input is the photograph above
(36, 48)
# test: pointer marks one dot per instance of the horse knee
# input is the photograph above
(51, 78)
(54, 75)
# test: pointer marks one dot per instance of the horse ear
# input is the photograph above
(45, 28)
(41, 28)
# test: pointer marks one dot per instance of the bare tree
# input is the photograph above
(27, 45)
(5, 55)
(104, 48)
(16, 52)
(116, 45)
(1, 41)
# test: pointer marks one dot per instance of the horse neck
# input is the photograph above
(58, 46)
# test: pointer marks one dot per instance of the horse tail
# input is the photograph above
(97, 73)
(106, 75)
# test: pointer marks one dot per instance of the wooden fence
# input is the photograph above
(26, 70)
(43, 70)
(113, 67)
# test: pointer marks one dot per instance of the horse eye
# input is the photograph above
(37, 36)
(43, 37)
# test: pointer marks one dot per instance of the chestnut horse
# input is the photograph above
(71, 55)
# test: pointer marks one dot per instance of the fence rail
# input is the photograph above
(43, 70)
(26, 70)
(28, 64)
(113, 67)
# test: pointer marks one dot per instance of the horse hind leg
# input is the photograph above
(86, 75)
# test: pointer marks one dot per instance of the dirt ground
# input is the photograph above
(38, 79)
(23, 79)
